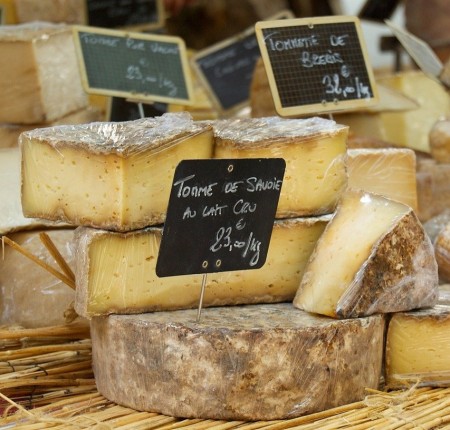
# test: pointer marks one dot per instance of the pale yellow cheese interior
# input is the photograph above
(388, 172)
(345, 245)
(122, 273)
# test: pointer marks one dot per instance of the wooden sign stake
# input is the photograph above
(141, 110)
(202, 293)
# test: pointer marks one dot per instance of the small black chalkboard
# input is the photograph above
(123, 110)
(316, 64)
(220, 215)
(125, 13)
(133, 65)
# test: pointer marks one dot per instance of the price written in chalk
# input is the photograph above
(316, 64)
(220, 215)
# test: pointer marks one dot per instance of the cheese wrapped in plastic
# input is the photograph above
(373, 257)
(314, 150)
(115, 176)
(258, 362)
(39, 74)
(390, 172)
(116, 273)
(29, 295)
(418, 345)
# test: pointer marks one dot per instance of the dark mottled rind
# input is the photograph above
(442, 252)
(256, 362)
(400, 274)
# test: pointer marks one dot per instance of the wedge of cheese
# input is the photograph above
(259, 362)
(314, 150)
(116, 273)
(39, 75)
(418, 345)
(67, 11)
(29, 295)
(439, 139)
(114, 176)
(373, 257)
(11, 216)
(389, 172)
(9, 133)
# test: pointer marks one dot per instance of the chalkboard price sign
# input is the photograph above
(125, 13)
(220, 215)
(316, 64)
(120, 109)
(133, 65)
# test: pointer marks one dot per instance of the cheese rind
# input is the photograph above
(439, 139)
(123, 171)
(116, 273)
(68, 11)
(418, 345)
(442, 252)
(39, 75)
(29, 295)
(314, 150)
(259, 362)
(373, 257)
(388, 172)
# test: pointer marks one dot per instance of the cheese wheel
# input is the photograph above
(442, 252)
(123, 171)
(314, 150)
(373, 257)
(254, 362)
(439, 139)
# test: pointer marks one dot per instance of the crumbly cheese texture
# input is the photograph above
(256, 362)
(439, 139)
(11, 216)
(39, 74)
(10, 133)
(418, 345)
(408, 128)
(314, 150)
(388, 172)
(115, 176)
(29, 295)
(116, 273)
(373, 257)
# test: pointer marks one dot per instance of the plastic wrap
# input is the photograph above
(29, 295)
(389, 172)
(314, 150)
(115, 272)
(259, 362)
(418, 346)
(39, 75)
(439, 139)
(11, 216)
(57, 11)
(373, 257)
(433, 188)
(107, 175)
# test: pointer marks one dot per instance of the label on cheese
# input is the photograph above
(232, 203)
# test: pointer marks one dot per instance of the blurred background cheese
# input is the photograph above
(115, 273)
(39, 75)
(439, 139)
(390, 172)
(418, 345)
(258, 362)
(29, 295)
(314, 150)
(123, 171)
(68, 11)
(373, 256)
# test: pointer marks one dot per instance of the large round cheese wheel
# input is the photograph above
(252, 362)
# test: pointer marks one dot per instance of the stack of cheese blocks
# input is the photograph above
(40, 85)
(302, 334)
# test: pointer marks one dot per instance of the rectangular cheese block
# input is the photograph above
(39, 75)
(373, 257)
(9, 133)
(115, 273)
(115, 176)
(409, 128)
(68, 11)
(11, 215)
(29, 295)
(314, 150)
(418, 345)
(388, 172)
